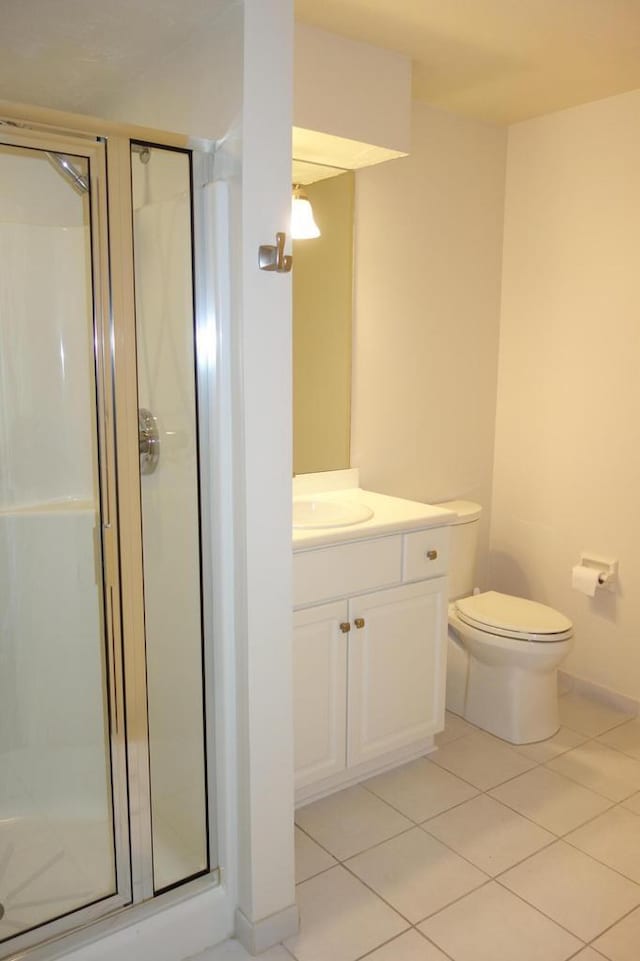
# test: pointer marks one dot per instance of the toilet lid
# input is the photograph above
(513, 616)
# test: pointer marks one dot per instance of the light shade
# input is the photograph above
(303, 225)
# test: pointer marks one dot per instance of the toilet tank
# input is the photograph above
(464, 547)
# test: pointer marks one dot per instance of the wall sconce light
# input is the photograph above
(303, 225)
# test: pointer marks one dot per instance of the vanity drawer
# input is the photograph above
(426, 554)
(328, 572)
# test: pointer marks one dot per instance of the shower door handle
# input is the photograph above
(148, 441)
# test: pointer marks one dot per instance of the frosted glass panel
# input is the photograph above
(170, 514)
(56, 826)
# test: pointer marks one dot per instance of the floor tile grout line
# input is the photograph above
(378, 844)
(588, 788)
(484, 790)
(514, 865)
(485, 793)
(603, 863)
(618, 750)
(311, 838)
(488, 877)
(575, 848)
(559, 837)
(419, 823)
(487, 880)
(420, 934)
(318, 873)
(372, 847)
(564, 837)
(363, 786)
(606, 730)
(495, 878)
(543, 913)
(443, 844)
(421, 826)
(503, 804)
(379, 896)
(396, 937)
(572, 957)
(383, 944)
(611, 926)
(612, 804)
(583, 824)
(434, 943)
(531, 907)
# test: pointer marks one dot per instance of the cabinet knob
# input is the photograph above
(345, 627)
(431, 555)
(359, 622)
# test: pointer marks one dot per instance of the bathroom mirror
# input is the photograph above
(322, 319)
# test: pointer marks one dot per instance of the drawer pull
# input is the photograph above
(431, 555)
(359, 622)
(345, 627)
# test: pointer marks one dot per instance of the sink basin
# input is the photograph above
(309, 513)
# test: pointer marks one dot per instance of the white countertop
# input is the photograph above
(390, 514)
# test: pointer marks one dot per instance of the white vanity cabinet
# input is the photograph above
(369, 656)
(395, 669)
(319, 691)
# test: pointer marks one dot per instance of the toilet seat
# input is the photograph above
(513, 617)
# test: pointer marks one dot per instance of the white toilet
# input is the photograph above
(503, 651)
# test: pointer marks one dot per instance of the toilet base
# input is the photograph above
(517, 705)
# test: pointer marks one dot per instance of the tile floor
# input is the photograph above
(481, 852)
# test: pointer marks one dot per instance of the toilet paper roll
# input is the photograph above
(585, 579)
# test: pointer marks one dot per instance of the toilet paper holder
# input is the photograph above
(607, 568)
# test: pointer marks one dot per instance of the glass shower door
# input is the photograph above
(171, 516)
(61, 771)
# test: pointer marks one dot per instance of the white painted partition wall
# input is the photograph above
(263, 451)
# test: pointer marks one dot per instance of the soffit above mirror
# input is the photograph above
(303, 172)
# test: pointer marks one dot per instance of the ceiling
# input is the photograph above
(73, 54)
(499, 61)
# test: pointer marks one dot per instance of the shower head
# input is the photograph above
(78, 181)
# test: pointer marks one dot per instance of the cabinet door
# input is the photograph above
(396, 668)
(319, 692)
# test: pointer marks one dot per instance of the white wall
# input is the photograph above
(567, 466)
(427, 292)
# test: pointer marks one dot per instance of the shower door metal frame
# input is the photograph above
(114, 325)
(20, 135)
(120, 152)
(130, 514)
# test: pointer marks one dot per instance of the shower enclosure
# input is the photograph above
(106, 797)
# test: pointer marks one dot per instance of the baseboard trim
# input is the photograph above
(350, 776)
(598, 692)
(258, 936)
